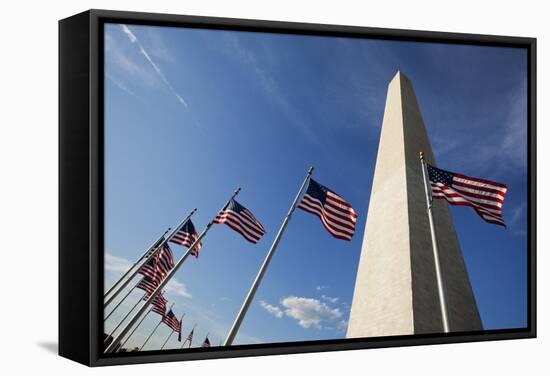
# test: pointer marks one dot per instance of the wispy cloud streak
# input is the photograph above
(132, 37)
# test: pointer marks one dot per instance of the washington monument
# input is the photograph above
(395, 290)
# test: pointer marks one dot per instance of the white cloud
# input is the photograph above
(132, 37)
(178, 288)
(308, 311)
(329, 299)
(116, 264)
(320, 288)
(274, 310)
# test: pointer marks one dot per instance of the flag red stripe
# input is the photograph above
(493, 218)
(239, 229)
(331, 231)
(450, 192)
(330, 226)
(339, 221)
(237, 220)
(481, 195)
(478, 188)
(236, 224)
(483, 181)
(253, 225)
(341, 204)
(253, 219)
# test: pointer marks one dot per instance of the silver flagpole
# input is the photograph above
(166, 239)
(135, 328)
(119, 303)
(169, 335)
(440, 285)
(151, 247)
(170, 274)
(263, 268)
(126, 316)
(153, 332)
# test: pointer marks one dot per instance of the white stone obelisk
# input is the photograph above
(396, 290)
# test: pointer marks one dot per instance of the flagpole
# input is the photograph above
(244, 308)
(153, 332)
(181, 327)
(170, 274)
(440, 285)
(126, 316)
(151, 247)
(109, 300)
(119, 303)
(135, 328)
(169, 335)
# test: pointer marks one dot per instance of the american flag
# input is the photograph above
(190, 337)
(206, 343)
(484, 196)
(148, 285)
(164, 262)
(186, 236)
(172, 322)
(241, 220)
(335, 213)
(159, 264)
(159, 304)
(148, 268)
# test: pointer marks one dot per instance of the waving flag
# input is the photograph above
(484, 196)
(335, 213)
(190, 337)
(241, 220)
(186, 236)
(158, 265)
(206, 342)
(148, 285)
(159, 304)
(172, 322)
(154, 271)
(164, 262)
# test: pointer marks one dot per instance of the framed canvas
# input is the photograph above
(240, 187)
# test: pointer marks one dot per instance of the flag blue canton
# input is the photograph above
(336, 214)
(317, 191)
(440, 176)
(241, 220)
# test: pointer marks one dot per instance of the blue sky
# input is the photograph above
(192, 114)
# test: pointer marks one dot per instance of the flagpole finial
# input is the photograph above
(194, 210)
(421, 155)
(237, 190)
(310, 170)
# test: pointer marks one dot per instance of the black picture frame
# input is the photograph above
(81, 179)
